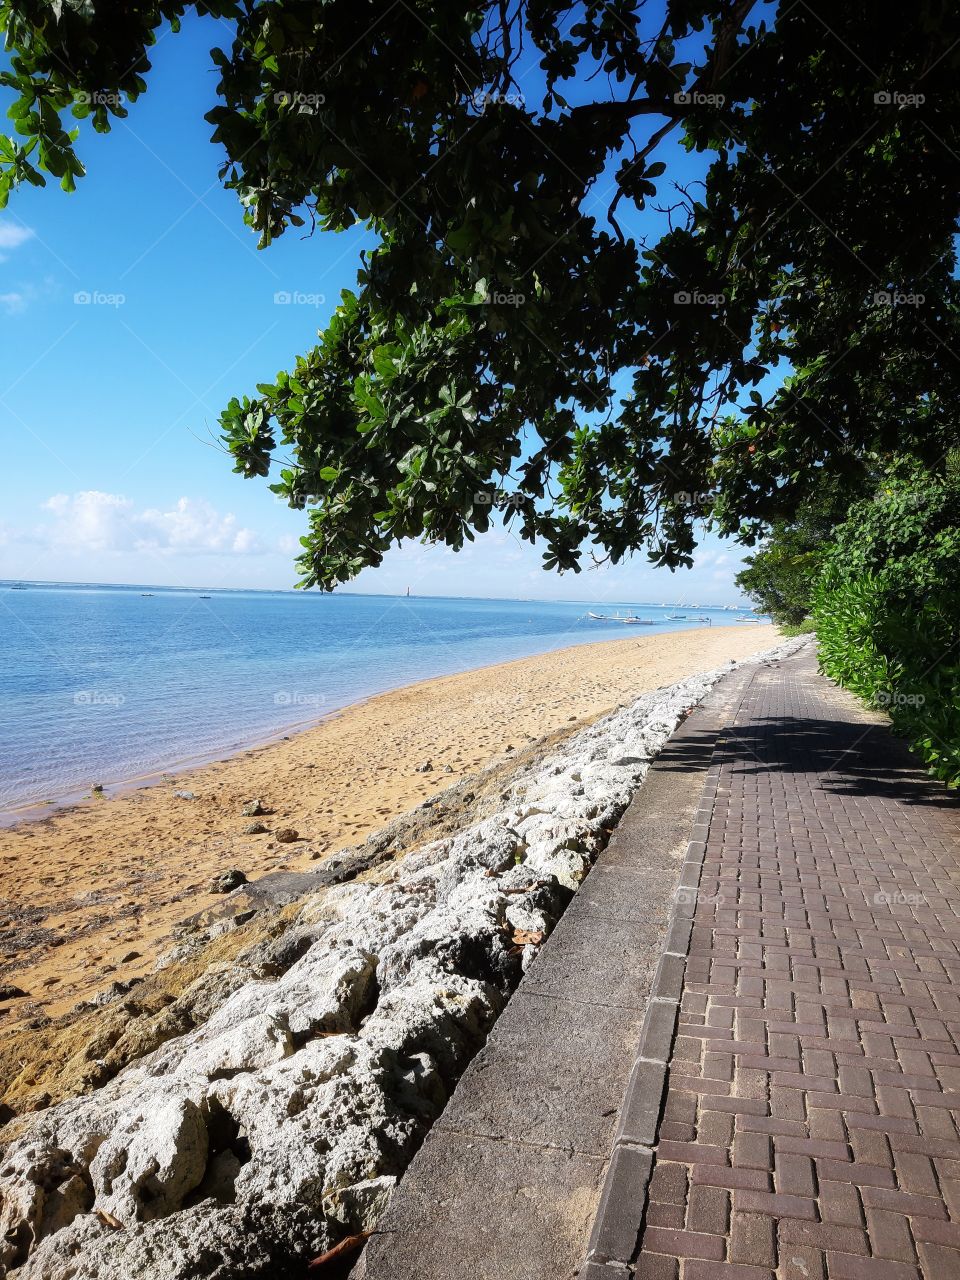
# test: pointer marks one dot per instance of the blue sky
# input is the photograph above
(108, 407)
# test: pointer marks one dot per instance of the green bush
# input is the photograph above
(887, 612)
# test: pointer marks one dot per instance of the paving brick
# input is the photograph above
(794, 1175)
(849, 1266)
(653, 1266)
(823, 1235)
(800, 1262)
(814, 1089)
(890, 1235)
(753, 1239)
(840, 1203)
(753, 1150)
(708, 1209)
(697, 1270)
(684, 1244)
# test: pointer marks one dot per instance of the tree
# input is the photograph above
(781, 576)
(509, 344)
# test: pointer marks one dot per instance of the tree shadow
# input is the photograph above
(851, 759)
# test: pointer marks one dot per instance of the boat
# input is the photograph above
(745, 617)
(19, 586)
(638, 622)
(701, 618)
(677, 617)
(145, 594)
(600, 617)
(204, 597)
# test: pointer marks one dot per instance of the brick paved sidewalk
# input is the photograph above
(809, 1129)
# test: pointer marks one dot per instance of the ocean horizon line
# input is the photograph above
(366, 595)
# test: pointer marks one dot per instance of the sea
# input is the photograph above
(105, 685)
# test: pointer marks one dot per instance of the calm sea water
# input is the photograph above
(104, 684)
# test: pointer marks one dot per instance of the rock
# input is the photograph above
(131, 955)
(185, 795)
(253, 808)
(426, 767)
(448, 768)
(227, 881)
(152, 1158)
(9, 992)
(509, 747)
(286, 835)
(255, 829)
(97, 788)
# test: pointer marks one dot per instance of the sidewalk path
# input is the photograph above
(809, 1129)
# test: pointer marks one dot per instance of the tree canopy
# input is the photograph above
(513, 341)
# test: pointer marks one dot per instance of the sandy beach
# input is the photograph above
(91, 893)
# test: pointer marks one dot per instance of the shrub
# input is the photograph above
(887, 611)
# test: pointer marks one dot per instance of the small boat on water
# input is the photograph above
(146, 594)
(638, 622)
(745, 617)
(701, 618)
(19, 586)
(204, 597)
(600, 617)
(677, 617)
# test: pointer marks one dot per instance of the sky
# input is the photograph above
(130, 312)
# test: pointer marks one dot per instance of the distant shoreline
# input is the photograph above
(44, 584)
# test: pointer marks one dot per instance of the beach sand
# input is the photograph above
(93, 891)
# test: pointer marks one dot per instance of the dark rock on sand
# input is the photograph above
(287, 835)
(255, 829)
(9, 992)
(227, 881)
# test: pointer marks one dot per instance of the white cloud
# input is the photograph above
(13, 234)
(13, 303)
(95, 521)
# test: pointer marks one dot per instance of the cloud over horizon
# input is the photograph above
(109, 522)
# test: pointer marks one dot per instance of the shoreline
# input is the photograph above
(76, 798)
(100, 886)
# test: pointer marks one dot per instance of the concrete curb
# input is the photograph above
(619, 1222)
